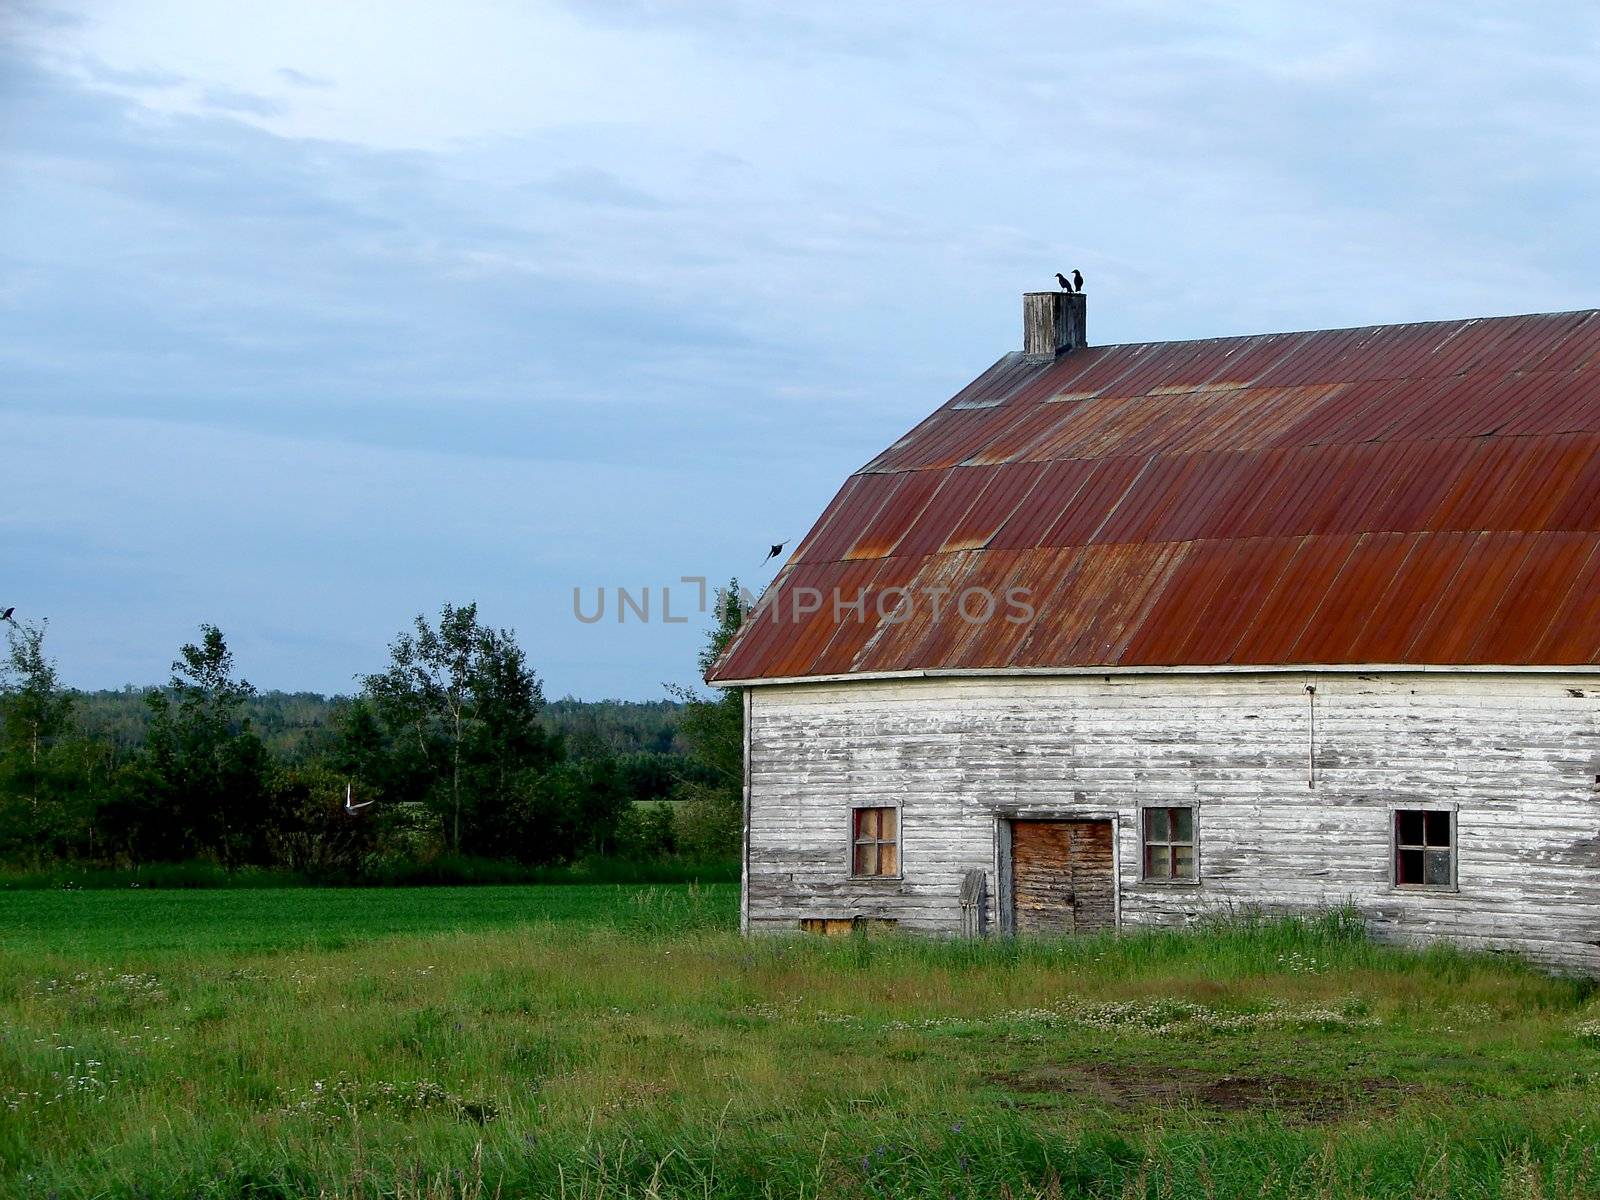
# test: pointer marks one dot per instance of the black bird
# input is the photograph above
(6, 616)
(776, 550)
(1077, 279)
(1066, 284)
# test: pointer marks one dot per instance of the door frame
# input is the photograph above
(1005, 900)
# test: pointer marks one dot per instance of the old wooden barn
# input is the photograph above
(1120, 635)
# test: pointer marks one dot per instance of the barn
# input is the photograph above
(1123, 635)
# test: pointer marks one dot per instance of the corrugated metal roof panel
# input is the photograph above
(1057, 488)
(1551, 402)
(910, 495)
(841, 526)
(1177, 615)
(975, 617)
(838, 519)
(1276, 627)
(1000, 383)
(1403, 494)
(918, 613)
(1535, 588)
(1481, 585)
(1579, 506)
(1341, 613)
(1097, 502)
(1005, 490)
(866, 595)
(1419, 586)
(1253, 569)
(960, 489)
(1567, 353)
(1096, 608)
(1570, 636)
(1017, 440)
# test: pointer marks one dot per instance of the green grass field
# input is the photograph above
(623, 1041)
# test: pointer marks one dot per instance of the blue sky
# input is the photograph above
(314, 316)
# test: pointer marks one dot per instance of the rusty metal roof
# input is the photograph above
(1400, 494)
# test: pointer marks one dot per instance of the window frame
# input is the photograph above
(899, 842)
(1143, 844)
(1425, 806)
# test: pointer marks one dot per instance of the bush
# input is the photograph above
(308, 831)
(647, 832)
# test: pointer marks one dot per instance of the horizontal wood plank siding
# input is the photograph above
(1518, 755)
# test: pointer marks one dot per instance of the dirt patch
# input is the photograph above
(1133, 1086)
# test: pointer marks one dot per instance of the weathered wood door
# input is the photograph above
(1063, 877)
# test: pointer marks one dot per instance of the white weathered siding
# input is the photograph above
(1519, 755)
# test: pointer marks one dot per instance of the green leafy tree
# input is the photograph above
(425, 698)
(461, 703)
(360, 747)
(507, 740)
(711, 815)
(47, 769)
(198, 786)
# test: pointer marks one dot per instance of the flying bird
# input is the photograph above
(777, 549)
(6, 616)
(353, 808)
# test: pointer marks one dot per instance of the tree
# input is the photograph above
(711, 819)
(199, 784)
(45, 768)
(571, 809)
(461, 699)
(507, 740)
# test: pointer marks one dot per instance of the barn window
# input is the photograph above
(1169, 844)
(875, 845)
(1424, 848)
(843, 926)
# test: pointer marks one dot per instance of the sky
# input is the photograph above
(314, 317)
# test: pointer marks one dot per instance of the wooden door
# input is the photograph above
(1063, 877)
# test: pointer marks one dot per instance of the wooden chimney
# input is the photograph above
(1053, 323)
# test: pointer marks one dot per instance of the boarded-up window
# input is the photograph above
(828, 926)
(876, 846)
(1424, 848)
(1169, 844)
(844, 926)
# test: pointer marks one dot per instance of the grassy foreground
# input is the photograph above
(622, 1041)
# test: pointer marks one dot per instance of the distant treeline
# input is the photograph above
(448, 756)
(299, 726)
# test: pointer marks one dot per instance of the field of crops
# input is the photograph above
(623, 1041)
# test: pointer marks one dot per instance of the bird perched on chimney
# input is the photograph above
(1075, 284)
(1066, 284)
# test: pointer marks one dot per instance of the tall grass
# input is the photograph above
(638, 1048)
